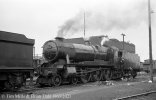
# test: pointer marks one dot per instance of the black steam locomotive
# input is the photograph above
(71, 62)
(16, 57)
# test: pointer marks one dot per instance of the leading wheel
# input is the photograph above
(57, 80)
(74, 80)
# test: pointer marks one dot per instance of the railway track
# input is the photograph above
(135, 96)
(31, 89)
(23, 90)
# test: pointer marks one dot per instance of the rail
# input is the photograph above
(136, 95)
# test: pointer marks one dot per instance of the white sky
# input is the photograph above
(41, 19)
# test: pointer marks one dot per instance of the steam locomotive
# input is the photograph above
(73, 63)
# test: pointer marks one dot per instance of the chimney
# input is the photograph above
(61, 39)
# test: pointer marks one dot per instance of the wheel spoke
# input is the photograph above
(84, 78)
(98, 75)
(107, 75)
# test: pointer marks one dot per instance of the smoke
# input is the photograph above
(72, 25)
(105, 18)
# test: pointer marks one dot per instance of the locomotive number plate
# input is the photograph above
(71, 69)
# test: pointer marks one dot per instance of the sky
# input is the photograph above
(43, 20)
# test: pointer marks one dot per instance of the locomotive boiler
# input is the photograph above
(54, 50)
(71, 62)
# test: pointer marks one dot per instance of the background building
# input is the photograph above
(146, 65)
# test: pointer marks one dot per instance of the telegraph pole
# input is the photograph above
(150, 42)
(123, 39)
(84, 25)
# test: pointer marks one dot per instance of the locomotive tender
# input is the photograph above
(16, 57)
(73, 62)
